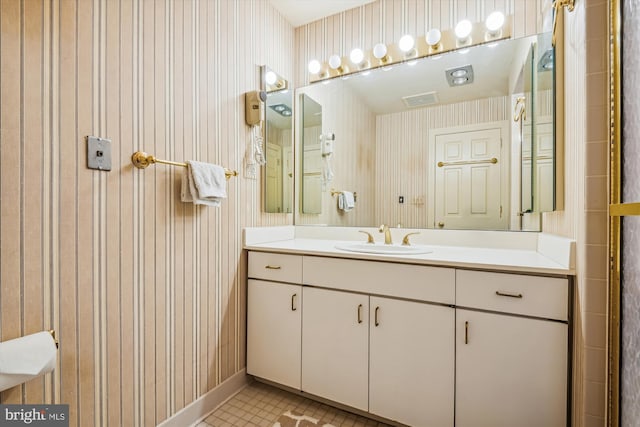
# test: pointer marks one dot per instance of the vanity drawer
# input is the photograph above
(431, 284)
(545, 297)
(277, 267)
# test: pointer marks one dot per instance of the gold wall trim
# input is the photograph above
(624, 209)
(612, 414)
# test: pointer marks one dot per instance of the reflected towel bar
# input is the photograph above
(468, 162)
(335, 192)
(141, 160)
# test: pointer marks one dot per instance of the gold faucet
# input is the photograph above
(387, 234)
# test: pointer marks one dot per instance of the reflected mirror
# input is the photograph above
(278, 170)
(311, 121)
(441, 142)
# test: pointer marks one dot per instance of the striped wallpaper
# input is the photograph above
(147, 294)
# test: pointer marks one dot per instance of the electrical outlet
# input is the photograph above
(98, 153)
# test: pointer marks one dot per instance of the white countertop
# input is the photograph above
(498, 259)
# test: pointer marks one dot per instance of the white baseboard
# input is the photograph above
(206, 403)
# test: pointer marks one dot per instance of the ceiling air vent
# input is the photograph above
(420, 100)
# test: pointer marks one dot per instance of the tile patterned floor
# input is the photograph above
(260, 405)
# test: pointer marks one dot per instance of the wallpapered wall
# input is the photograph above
(146, 294)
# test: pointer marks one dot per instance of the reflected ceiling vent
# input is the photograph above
(460, 76)
(281, 109)
(420, 100)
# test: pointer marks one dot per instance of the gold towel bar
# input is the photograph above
(141, 160)
(493, 160)
(335, 192)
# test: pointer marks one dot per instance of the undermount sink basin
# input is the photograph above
(378, 248)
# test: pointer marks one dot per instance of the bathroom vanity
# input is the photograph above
(463, 335)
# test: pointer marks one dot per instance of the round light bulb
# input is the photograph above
(460, 80)
(270, 77)
(463, 29)
(380, 50)
(433, 37)
(494, 21)
(286, 113)
(335, 61)
(406, 43)
(314, 66)
(459, 73)
(356, 56)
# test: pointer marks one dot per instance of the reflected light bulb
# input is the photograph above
(433, 37)
(270, 78)
(406, 43)
(380, 50)
(463, 29)
(494, 21)
(356, 56)
(314, 66)
(335, 61)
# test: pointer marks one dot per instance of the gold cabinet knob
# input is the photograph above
(441, 224)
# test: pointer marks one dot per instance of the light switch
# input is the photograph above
(98, 153)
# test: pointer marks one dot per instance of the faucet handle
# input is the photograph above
(369, 236)
(381, 228)
(405, 240)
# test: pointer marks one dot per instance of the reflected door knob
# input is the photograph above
(441, 224)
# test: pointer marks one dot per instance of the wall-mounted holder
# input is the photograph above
(142, 160)
(335, 192)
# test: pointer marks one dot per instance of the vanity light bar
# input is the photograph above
(377, 57)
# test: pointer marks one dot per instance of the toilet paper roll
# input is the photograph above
(25, 358)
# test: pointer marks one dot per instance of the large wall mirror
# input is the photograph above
(278, 169)
(464, 140)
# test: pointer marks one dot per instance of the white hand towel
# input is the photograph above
(346, 201)
(207, 183)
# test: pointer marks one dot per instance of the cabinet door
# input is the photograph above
(274, 331)
(335, 346)
(412, 362)
(510, 371)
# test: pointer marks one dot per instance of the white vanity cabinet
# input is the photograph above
(335, 346)
(511, 370)
(365, 345)
(411, 362)
(416, 344)
(274, 318)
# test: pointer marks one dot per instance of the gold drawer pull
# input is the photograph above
(293, 302)
(503, 294)
(359, 313)
(466, 332)
(272, 267)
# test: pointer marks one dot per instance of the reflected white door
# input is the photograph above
(287, 186)
(468, 183)
(274, 178)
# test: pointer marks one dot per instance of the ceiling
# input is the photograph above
(300, 12)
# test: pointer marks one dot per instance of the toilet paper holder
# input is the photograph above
(53, 335)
